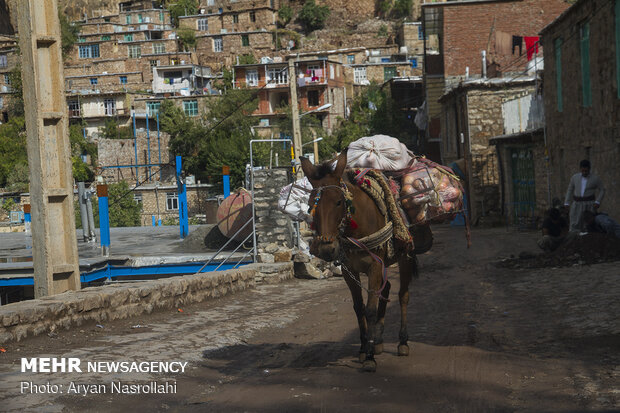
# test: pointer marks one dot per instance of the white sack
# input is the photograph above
(296, 205)
(378, 152)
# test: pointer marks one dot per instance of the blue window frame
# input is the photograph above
(123, 80)
(420, 33)
(93, 80)
(414, 62)
(351, 59)
(190, 107)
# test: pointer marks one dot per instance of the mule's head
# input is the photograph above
(327, 205)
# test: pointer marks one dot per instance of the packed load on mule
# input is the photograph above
(427, 191)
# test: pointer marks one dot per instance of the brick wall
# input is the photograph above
(580, 132)
(467, 29)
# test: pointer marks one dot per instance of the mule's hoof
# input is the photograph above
(362, 357)
(403, 350)
(370, 366)
(378, 348)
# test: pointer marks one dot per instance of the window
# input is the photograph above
(203, 25)
(313, 98)
(1, 102)
(278, 76)
(135, 51)
(253, 16)
(584, 40)
(332, 72)
(251, 78)
(81, 39)
(88, 52)
(359, 75)
(123, 80)
(414, 62)
(110, 107)
(169, 77)
(152, 108)
(557, 48)
(235, 18)
(137, 198)
(245, 40)
(159, 48)
(618, 48)
(105, 37)
(314, 70)
(161, 16)
(218, 45)
(129, 37)
(172, 201)
(351, 59)
(3, 60)
(190, 107)
(93, 81)
(128, 19)
(389, 72)
(210, 2)
(140, 18)
(7, 78)
(420, 32)
(153, 63)
(74, 108)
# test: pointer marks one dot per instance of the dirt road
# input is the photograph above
(483, 338)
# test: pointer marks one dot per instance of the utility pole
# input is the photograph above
(54, 239)
(292, 81)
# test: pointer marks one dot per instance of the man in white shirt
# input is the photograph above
(585, 193)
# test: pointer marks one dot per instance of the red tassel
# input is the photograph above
(352, 224)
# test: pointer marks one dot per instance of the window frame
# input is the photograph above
(351, 59)
(152, 108)
(190, 111)
(122, 80)
(359, 75)
(279, 74)
(128, 37)
(218, 44)
(159, 48)
(109, 107)
(389, 70)
(131, 51)
(204, 23)
(251, 77)
(172, 201)
(4, 60)
(252, 16)
(245, 40)
(314, 102)
(94, 81)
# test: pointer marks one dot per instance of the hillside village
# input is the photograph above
(486, 84)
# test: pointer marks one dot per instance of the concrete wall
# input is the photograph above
(579, 132)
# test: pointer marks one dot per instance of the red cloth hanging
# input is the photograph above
(531, 45)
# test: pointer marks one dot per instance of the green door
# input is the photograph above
(389, 72)
(523, 185)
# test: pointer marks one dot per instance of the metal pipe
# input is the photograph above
(148, 144)
(484, 64)
(135, 147)
(92, 237)
(159, 146)
(83, 213)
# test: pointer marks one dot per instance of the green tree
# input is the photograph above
(372, 112)
(247, 59)
(285, 15)
(68, 33)
(18, 178)
(224, 139)
(82, 172)
(181, 8)
(402, 8)
(123, 210)
(313, 16)
(112, 130)
(311, 129)
(12, 147)
(187, 38)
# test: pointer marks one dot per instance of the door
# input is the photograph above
(523, 185)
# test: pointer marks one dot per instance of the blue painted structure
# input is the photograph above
(183, 219)
(112, 271)
(226, 183)
(104, 222)
(135, 147)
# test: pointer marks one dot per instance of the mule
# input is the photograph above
(341, 209)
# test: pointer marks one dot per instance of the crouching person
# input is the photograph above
(554, 230)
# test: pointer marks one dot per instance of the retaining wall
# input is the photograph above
(118, 301)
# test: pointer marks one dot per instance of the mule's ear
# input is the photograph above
(342, 163)
(307, 167)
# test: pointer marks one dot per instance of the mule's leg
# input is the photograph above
(407, 266)
(374, 283)
(381, 318)
(353, 282)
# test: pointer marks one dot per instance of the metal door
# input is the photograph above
(523, 186)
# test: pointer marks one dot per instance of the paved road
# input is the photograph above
(484, 339)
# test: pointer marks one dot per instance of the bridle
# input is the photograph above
(346, 220)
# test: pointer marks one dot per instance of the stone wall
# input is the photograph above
(272, 226)
(260, 43)
(579, 132)
(119, 301)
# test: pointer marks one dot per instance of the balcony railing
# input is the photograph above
(239, 84)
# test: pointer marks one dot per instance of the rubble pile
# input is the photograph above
(586, 249)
